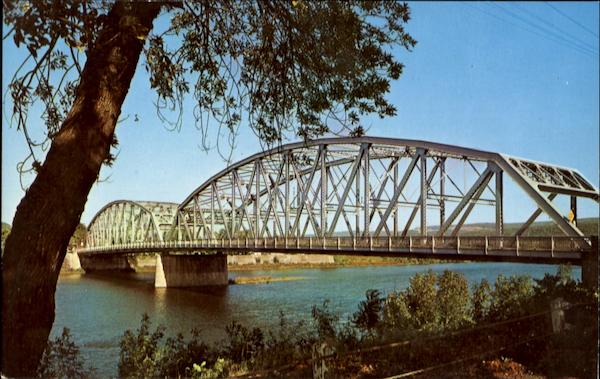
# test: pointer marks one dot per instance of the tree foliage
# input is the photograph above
(286, 68)
(62, 359)
(5, 233)
(369, 311)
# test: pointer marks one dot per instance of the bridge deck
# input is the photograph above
(516, 249)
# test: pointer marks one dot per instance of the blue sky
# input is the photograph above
(507, 77)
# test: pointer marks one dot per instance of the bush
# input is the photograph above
(242, 344)
(325, 321)
(139, 355)
(481, 300)
(421, 298)
(510, 298)
(453, 303)
(366, 319)
(62, 359)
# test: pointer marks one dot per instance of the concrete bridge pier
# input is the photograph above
(175, 270)
(106, 262)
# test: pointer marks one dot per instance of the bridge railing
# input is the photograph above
(432, 244)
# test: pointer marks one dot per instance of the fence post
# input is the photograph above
(320, 368)
(557, 308)
(485, 251)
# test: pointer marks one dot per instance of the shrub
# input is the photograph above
(481, 300)
(366, 319)
(288, 342)
(511, 297)
(396, 312)
(242, 344)
(62, 359)
(452, 300)
(139, 356)
(202, 372)
(325, 321)
(178, 355)
(420, 297)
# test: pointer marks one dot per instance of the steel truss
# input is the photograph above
(122, 222)
(367, 187)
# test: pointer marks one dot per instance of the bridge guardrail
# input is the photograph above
(487, 245)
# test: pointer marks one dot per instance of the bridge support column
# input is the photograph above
(589, 267)
(105, 262)
(173, 270)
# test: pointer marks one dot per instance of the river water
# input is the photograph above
(98, 309)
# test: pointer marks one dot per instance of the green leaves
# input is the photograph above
(299, 68)
(62, 359)
(304, 68)
(369, 311)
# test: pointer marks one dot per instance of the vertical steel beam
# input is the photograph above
(304, 201)
(574, 208)
(287, 195)
(342, 201)
(413, 214)
(212, 213)
(195, 223)
(257, 199)
(367, 190)
(397, 191)
(424, 189)
(499, 204)
(483, 179)
(323, 190)
(442, 190)
(395, 205)
(357, 204)
(233, 210)
(225, 224)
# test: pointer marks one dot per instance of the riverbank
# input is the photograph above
(146, 263)
(339, 261)
(263, 279)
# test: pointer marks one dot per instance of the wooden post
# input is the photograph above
(320, 350)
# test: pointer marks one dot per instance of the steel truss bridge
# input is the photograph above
(366, 195)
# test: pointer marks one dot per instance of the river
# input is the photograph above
(98, 309)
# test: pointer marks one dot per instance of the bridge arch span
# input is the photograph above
(365, 187)
(124, 222)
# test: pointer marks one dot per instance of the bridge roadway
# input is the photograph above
(512, 249)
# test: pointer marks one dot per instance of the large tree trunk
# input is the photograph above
(48, 214)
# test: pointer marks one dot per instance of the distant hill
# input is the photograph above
(589, 226)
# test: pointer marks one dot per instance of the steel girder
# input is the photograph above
(361, 187)
(124, 221)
